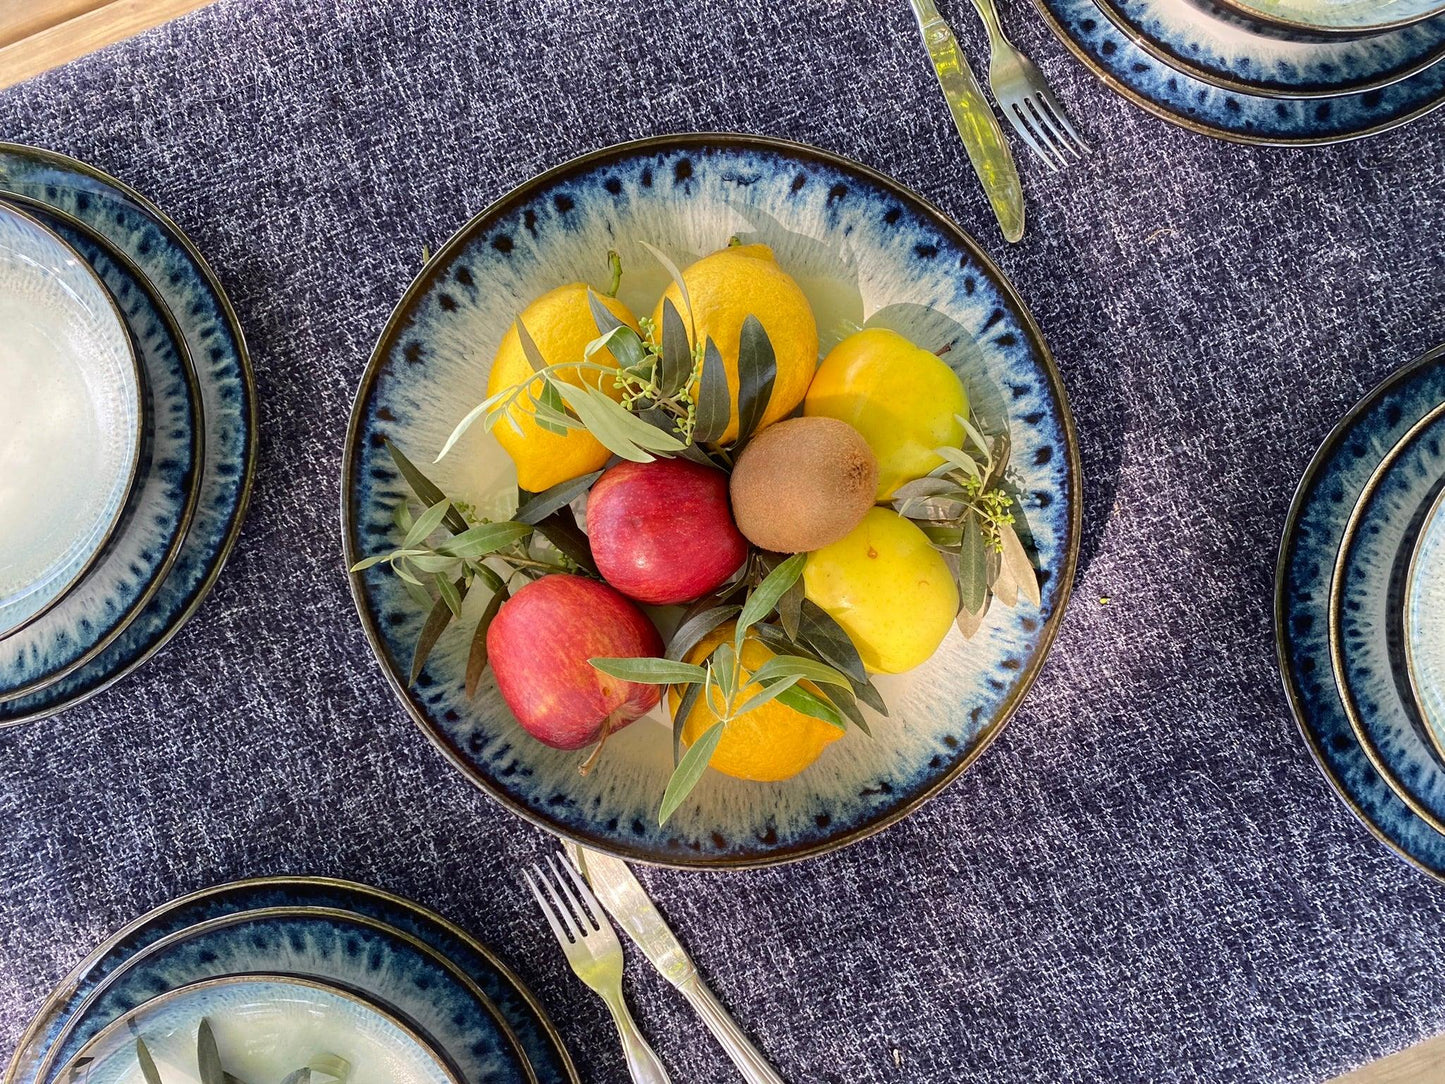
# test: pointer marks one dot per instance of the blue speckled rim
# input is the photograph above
(107, 533)
(539, 1038)
(1210, 110)
(1021, 680)
(1434, 521)
(168, 259)
(126, 268)
(85, 1058)
(1250, 11)
(1414, 57)
(71, 1034)
(1323, 501)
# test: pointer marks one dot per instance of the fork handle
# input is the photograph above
(988, 12)
(644, 1065)
(751, 1064)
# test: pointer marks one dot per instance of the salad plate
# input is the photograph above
(1215, 45)
(392, 968)
(71, 405)
(1234, 113)
(1314, 530)
(1425, 624)
(265, 1027)
(1367, 646)
(866, 253)
(1354, 17)
(528, 1021)
(212, 336)
(149, 535)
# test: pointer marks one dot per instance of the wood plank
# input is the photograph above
(1423, 1063)
(35, 37)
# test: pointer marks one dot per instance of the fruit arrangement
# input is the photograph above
(793, 525)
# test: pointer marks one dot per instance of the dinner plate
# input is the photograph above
(1210, 43)
(381, 963)
(865, 250)
(1315, 527)
(1366, 603)
(1339, 16)
(161, 504)
(71, 405)
(212, 336)
(265, 1027)
(1233, 114)
(525, 1016)
(1425, 625)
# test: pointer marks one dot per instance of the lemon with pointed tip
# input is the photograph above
(727, 287)
(560, 323)
(767, 744)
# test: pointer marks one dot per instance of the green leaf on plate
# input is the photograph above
(401, 515)
(757, 369)
(618, 430)
(529, 348)
(535, 507)
(790, 609)
(724, 671)
(767, 693)
(676, 351)
(425, 489)
(819, 631)
(957, 457)
(782, 666)
(690, 693)
(436, 622)
(1016, 559)
(978, 439)
(647, 671)
(714, 410)
(765, 595)
(477, 656)
(549, 412)
(147, 1063)
(847, 705)
(671, 268)
(691, 630)
(561, 530)
(451, 594)
(811, 704)
(689, 771)
(433, 562)
(484, 539)
(208, 1058)
(972, 566)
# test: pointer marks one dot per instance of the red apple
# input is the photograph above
(538, 646)
(662, 532)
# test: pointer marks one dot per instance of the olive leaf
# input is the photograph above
(418, 594)
(529, 347)
(671, 268)
(757, 369)
(1002, 448)
(834, 646)
(484, 539)
(616, 428)
(147, 1063)
(767, 693)
(714, 411)
(957, 457)
(676, 364)
(1016, 560)
(549, 412)
(477, 656)
(538, 506)
(685, 705)
(450, 593)
(561, 530)
(783, 666)
(972, 566)
(694, 626)
(969, 622)
(1001, 579)
(208, 1058)
(436, 623)
(790, 608)
(648, 671)
(401, 515)
(724, 671)
(689, 771)
(809, 703)
(425, 489)
(619, 339)
(765, 596)
(844, 700)
(977, 437)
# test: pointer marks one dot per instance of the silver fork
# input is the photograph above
(592, 949)
(1020, 91)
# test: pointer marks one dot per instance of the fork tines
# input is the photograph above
(577, 918)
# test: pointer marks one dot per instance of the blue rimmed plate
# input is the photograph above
(212, 335)
(1321, 509)
(1233, 114)
(1343, 17)
(1425, 624)
(865, 250)
(1213, 44)
(525, 1016)
(1366, 601)
(394, 969)
(266, 1027)
(162, 502)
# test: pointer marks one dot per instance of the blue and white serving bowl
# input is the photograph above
(867, 252)
(1314, 530)
(71, 404)
(1424, 612)
(265, 1027)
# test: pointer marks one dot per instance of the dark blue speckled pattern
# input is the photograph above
(1322, 508)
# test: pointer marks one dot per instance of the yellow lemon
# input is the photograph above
(728, 286)
(560, 323)
(766, 744)
(899, 396)
(889, 589)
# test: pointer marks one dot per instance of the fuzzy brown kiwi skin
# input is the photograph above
(802, 484)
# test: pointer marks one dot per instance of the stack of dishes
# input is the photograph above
(1265, 71)
(1360, 610)
(127, 431)
(289, 974)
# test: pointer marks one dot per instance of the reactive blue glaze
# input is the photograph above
(1217, 46)
(213, 338)
(263, 1024)
(1425, 625)
(161, 503)
(409, 978)
(1313, 532)
(534, 1031)
(1369, 591)
(863, 249)
(1233, 114)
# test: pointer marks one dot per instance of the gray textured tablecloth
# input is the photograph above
(1144, 879)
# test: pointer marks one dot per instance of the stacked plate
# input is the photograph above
(127, 431)
(283, 975)
(1360, 610)
(1265, 71)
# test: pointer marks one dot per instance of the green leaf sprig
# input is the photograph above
(329, 1068)
(969, 516)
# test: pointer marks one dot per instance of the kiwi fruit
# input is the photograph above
(802, 484)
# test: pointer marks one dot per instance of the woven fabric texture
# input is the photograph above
(1145, 878)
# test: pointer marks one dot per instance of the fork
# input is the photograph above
(1020, 91)
(594, 953)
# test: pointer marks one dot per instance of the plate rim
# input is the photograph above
(248, 379)
(1326, 447)
(1361, 30)
(683, 140)
(1434, 517)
